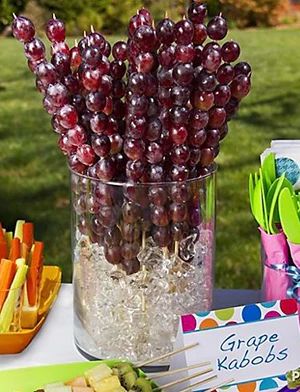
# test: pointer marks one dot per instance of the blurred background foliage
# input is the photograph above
(111, 16)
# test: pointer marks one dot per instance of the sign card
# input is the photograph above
(249, 347)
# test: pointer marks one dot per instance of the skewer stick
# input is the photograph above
(187, 378)
(180, 350)
(54, 16)
(172, 372)
(76, 43)
(92, 29)
(14, 15)
(84, 33)
(199, 383)
(166, 14)
(223, 384)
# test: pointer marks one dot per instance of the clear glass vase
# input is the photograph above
(143, 254)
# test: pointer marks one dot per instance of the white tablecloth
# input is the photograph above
(54, 343)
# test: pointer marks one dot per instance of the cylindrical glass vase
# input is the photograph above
(143, 254)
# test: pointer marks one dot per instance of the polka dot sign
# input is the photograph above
(205, 320)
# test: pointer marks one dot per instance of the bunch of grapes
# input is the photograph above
(150, 110)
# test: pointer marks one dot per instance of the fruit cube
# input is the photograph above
(98, 373)
(77, 382)
(109, 384)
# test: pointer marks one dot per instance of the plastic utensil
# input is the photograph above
(258, 211)
(270, 196)
(251, 191)
(273, 209)
(289, 216)
(269, 170)
(263, 196)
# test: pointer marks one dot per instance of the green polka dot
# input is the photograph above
(225, 314)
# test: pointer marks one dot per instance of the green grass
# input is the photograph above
(34, 181)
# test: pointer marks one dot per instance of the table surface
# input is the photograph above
(54, 343)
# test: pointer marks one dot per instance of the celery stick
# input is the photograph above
(7, 313)
(9, 237)
(19, 229)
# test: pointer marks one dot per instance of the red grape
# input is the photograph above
(58, 94)
(130, 250)
(134, 148)
(113, 236)
(96, 39)
(222, 95)
(185, 53)
(183, 74)
(242, 68)
(106, 169)
(77, 135)
(211, 60)
(60, 47)
(203, 100)
(159, 216)
(200, 34)
(180, 95)
(92, 56)
(76, 165)
(217, 28)
(145, 38)
(217, 117)
(161, 236)
(113, 254)
(179, 115)
(75, 57)
(67, 116)
(137, 83)
(184, 32)
(66, 147)
(131, 212)
(138, 105)
(86, 154)
(117, 69)
(206, 81)
(240, 86)
(95, 101)
(165, 77)
(91, 79)
(105, 85)
(232, 107)
(57, 128)
(225, 74)
(165, 98)
(178, 134)
(48, 105)
(116, 141)
(23, 29)
(135, 169)
(197, 12)
(230, 51)
(55, 30)
(223, 131)
(207, 156)
(158, 196)
(156, 173)
(101, 145)
(61, 62)
(197, 137)
(212, 138)
(154, 153)
(46, 73)
(131, 266)
(135, 22)
(99, 123)
(145, 62)
(165, 31)
(136, 127)
(180, 154)
(198, 119)
(179, 173)
(119, 50)
(34, 49)
(166, 56)
(153, 130)
(178, 212)
(107, 49)
(195, 156)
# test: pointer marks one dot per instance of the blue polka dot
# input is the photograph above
(268, 383)
(289, 167)
(282, 378)
(268, 304)
(251, 313)
(202, 314)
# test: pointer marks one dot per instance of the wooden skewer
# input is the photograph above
(180, 350)
(92, 29)
(14, 15)
(199, 383)
(166, 14)
(187, 378)
(54, 16)
(223, 384)
(170, 373)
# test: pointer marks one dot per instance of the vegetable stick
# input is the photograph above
(35, 272)
(27, 236)
(19, 229)
(2, 236)
(7, 312)
(8, 238)
(15, 250)
(7, 272)
(3, 250)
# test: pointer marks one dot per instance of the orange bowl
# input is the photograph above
(16, 342)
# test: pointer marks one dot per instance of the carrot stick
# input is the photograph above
(28, 234)
(15, 250)
(3, 250)
(2, 236)
(34, 273)
(7, 273)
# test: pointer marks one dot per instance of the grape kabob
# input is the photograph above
(164, 124)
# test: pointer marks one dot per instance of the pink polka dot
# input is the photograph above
(188, 323)
(272, 314)
(288, 306)
(231, 323)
